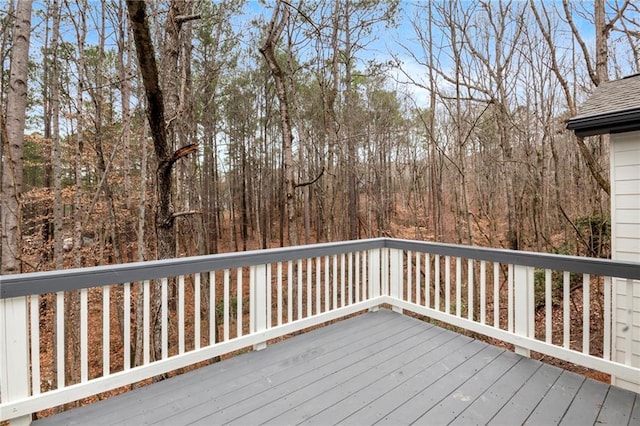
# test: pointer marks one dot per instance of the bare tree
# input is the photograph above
(12, 140)
(598, 73)
(55, 134)
(267, 48)
(165, 156)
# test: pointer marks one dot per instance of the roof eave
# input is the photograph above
(615, 122)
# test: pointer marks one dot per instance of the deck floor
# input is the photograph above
(380, 367)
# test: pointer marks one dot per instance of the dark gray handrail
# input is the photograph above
(556, 262)
(72, 279)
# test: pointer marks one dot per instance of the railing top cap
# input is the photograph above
(71, 279)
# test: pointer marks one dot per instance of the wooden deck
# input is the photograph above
(379, 367)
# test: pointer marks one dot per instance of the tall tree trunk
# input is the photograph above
(55, 135)
(58, 254)
(602, 34)
(46, 226)
(103, 166)
(81, 28)
(124, 74)
(267, 49)
(72, 297)
(155, 114)
(142, 245)
(331, 125)
(11, 211)
(351, 173)
(434, 176)
(165, 156)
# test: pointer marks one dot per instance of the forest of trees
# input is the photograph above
(174, 128)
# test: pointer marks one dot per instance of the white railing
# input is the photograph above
(559, 306)
(62, 332)
(208, 306)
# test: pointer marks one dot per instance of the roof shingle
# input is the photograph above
(613, 107)
(612, 96)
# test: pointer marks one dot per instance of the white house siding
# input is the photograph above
(625, 241)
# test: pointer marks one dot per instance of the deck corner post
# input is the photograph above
(523, 304)
(258, 288)
(396, 277)
(374, 276)
(14, 354)
(384, 279)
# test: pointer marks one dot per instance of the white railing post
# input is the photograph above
(396, 276)
(384, 283)
(258, 287)
(374, 276)
(14, 353)
(523, 305)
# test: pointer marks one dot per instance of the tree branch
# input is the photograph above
(613, 20)
(182, 152)
(304, 16)
(186, 213)
(180, 19)
(546, 33)
(583, 46)
(298, 185)
(594, 167)
(575, 228)
(149, 71)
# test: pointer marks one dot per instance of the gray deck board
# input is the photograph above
(258, 389)
(234, 372)
(316, 399)
(485, 407)
(379, 367)
(586, 405)
(291, 386)
(635, 412)
(390, 401)
(319, 382)
(351, 395)
(557, 400)
(613, 411)
(462, 397)
(525, 400)
(350, 402)
(432, 393)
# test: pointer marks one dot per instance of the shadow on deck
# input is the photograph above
(377, 367)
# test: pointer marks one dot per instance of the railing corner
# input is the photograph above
(14, 354)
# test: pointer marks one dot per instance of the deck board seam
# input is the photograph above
(418, 344)
(602, 405)
(635, 406)
(258, 376)
(356, 361)
(384, 394)
(497, 360)
(453, 336)
(498, 378)
(476, 372)
(542, 397)
(573, 397)
(443, 357)
(447, 376)
(515, 391)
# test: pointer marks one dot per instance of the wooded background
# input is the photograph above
(175, 128)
